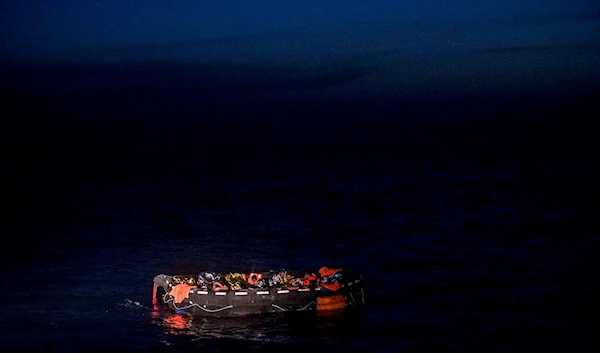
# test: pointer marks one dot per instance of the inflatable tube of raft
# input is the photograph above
(189, 299)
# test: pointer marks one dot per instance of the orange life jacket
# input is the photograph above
(180, 292)
(253, 278)
(326, 271)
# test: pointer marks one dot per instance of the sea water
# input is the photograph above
(463, 247)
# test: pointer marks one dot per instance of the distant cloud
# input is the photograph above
(318, 81)
(214, 80)
(577, 17)
(172, 46)
(532, 48)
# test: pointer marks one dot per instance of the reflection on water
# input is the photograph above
(177, 324)
(271, 328)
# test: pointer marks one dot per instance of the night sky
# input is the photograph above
(306, 51)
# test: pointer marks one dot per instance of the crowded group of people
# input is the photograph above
(325, 278)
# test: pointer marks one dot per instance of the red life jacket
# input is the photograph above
(307, 281)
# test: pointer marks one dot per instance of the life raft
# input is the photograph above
(191, 300)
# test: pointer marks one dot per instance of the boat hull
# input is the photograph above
(259, 301)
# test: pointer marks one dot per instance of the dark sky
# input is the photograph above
(384, 50)
(463, 45)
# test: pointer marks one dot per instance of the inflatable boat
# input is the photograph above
(189, 298)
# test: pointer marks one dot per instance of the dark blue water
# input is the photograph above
(473, 221)
(465, 246)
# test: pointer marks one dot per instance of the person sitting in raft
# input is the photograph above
(310, 278)
(329, 279)
(287, 278)
(236, 280)
(255, 280)
(217, 286)
(282, 279)
(211, 280)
